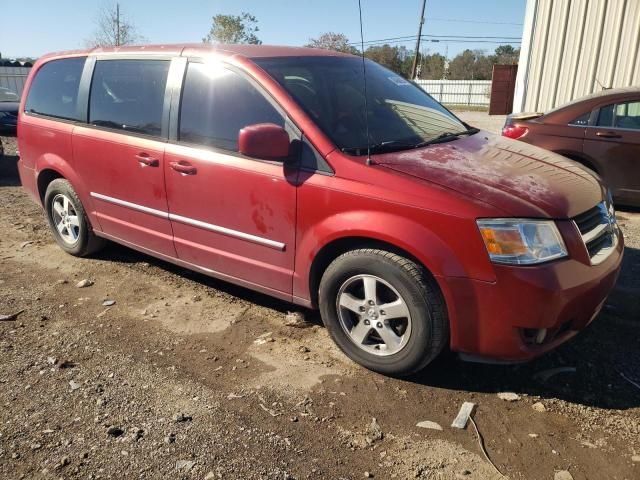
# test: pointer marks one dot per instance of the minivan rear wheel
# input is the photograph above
(384, 311)
(68, 221)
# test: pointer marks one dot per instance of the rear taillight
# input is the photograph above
(513, 131)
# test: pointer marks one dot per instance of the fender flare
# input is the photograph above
(404, 234)
(53, 162)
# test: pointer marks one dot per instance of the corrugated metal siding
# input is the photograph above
(14, 78)
(628, 54)
(578, 47)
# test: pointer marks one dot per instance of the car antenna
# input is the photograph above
(601, 85)
(364, 78)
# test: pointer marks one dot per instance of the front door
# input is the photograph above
(615, 144)
(230, 214)
(120, 154)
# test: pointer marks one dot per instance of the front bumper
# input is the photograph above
(500, 320)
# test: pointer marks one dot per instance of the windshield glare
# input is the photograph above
(331, 91)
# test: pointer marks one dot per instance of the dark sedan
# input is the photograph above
(600, 131)
(9, 104)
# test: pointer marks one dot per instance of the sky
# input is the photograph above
(31, 28)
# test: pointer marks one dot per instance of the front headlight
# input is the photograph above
(610, 208)
(520, 241)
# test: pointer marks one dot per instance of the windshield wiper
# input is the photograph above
(382, 147)
(448, 136)
(388, 146)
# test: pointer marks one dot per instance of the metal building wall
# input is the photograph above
(571, 48)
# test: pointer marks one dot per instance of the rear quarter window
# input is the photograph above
(582, 120)
(54, 90)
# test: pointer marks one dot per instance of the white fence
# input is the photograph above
(458, 92)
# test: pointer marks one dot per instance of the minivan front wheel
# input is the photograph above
(384, 311)
(68, 221)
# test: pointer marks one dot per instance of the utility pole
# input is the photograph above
(117, 24)
(417, 52)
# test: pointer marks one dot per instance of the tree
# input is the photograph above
(471, 65)
(432, 66)
(113, 29)
(332, 41)
(506, 55)
(233, 29)
(385, 55)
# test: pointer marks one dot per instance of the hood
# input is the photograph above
(518, 178)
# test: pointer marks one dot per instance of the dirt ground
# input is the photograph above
(189, 377)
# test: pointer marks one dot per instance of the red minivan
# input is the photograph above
(269, 167)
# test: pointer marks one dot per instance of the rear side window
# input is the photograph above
(129, 95)
(54, 90)
(605, 116)
(217, 103)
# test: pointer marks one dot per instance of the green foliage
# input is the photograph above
(391, 57)
(470, 65)
(477, 65)
(233, 29)
(506, 55)
(432, 67)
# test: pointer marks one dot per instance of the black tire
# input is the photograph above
(429, 322)
(87, 242)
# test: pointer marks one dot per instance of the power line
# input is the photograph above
(472, 38)
(455, 20)
(488, 42)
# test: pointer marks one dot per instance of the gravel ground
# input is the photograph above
(189, 377)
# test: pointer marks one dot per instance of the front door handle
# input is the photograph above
(145, 159)
(608, 134)
(184, 168)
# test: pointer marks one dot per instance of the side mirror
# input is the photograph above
(264, 140)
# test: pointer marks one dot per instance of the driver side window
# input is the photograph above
(217, 103)
(628, 115)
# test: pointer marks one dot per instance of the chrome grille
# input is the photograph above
(599, 231)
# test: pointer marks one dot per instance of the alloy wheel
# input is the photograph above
(374, 315)
(65, 219)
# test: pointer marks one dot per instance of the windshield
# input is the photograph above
(7, 95)
(331, 91)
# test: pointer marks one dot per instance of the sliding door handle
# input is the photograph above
(145, 159)
(184, 168)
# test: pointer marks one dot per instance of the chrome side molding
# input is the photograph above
(193, 222)
(227, 231)
(132, 206)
